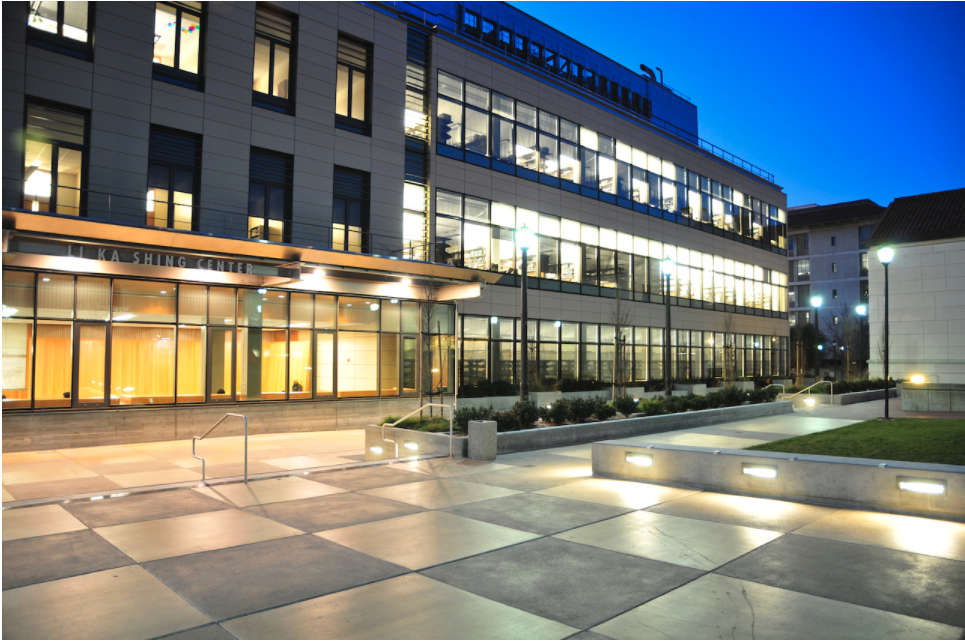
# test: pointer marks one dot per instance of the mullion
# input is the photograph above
(60, 18)
(177, 38)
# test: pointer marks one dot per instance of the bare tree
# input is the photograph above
(430, 318)
(621, 317)
(730, 351)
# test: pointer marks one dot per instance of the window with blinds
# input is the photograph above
(273, 79)
(353, 86)
(270, 196)
(173, 177)
(350, 210)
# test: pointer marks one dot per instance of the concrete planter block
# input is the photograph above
(691, 388)
(933, 397)
(482, 440)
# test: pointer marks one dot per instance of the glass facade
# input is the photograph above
(78, 341)
(580, 258)
(486, 128)
(490, 351)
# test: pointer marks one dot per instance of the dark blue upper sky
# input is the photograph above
(840, 101)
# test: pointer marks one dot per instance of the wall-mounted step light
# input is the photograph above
(926, 486)
(639, 459)
(758, 470)
(376, 449)
(410, 445)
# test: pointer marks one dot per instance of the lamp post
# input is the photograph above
(816, 302)
(886, 255)
(524, 240)
(667, 267)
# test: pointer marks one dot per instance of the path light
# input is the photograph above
(376, 449)
(639, 459)
(925, 486)
(410, 445)
(757, 470)
(917, 379)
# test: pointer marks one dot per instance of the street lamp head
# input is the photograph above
(886, 254)
(861, 310)
(525, 239)
(667, 266)
(820, 346)
(816, 301)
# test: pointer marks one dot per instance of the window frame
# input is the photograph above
(60, 43)
(84, 149)
(347, 123)
(365, 205)
(268, 101)
(174, 75)
(288, 189)
(172, 167)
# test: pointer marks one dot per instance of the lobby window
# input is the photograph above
(350, 210)
(273, 75)
(178, 43)
(270, 196)
(63, 27)
(172, 178)
(353, 86)
(55, 158)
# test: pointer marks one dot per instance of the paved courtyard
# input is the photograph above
(530, 546)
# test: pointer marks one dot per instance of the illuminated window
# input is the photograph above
(269, 196)
(274, 41)
(178, 43)
(352, 88)
(63, 27)
(172, 178)
(55, 156)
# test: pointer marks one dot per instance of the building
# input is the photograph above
(926, 288)
(828, 258)
(307, 210)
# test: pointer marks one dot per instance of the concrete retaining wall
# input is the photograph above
(845, 399)
(933, 397)
(557, 436)
(835, 481)
(75, 429)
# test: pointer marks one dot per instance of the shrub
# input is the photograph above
(506, 422)
(581, 409)
(603, 410)
(578, 385)
(652, 407)
(555, 413)
(463, 416)
(762, 395)
(697, 402)
(731, 396)
(626, 406)
(525, 412)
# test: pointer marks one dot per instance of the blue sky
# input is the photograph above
(840, 101)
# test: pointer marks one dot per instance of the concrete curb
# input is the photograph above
(848, 482)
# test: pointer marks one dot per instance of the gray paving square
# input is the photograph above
(754, 512)
(112, 511)
(236, 581)
(715, 607)
(209, 632)
(536, 513)
(42, 559)
(369, 477)
(588, 635)
(334, 511)
(920, 586)
(571, 583)
(533, 478)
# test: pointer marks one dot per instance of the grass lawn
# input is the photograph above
(929, 441)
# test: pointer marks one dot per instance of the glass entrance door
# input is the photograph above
(91, 387)
(324, 364)
(220, 364)
(410, 365)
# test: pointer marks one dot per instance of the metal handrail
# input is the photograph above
(428, 405)
(196, 439)
(783, 389)
(816, 383)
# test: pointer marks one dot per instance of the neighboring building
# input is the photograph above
(926, 288)
(222, 205)
(828, 257)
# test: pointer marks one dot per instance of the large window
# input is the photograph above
(273, 80)
(172, 179)
(61, 26)
(269, 196)
(353, 86)
(486, 128)
(55, 158)
(350, 210)
(179, 43)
